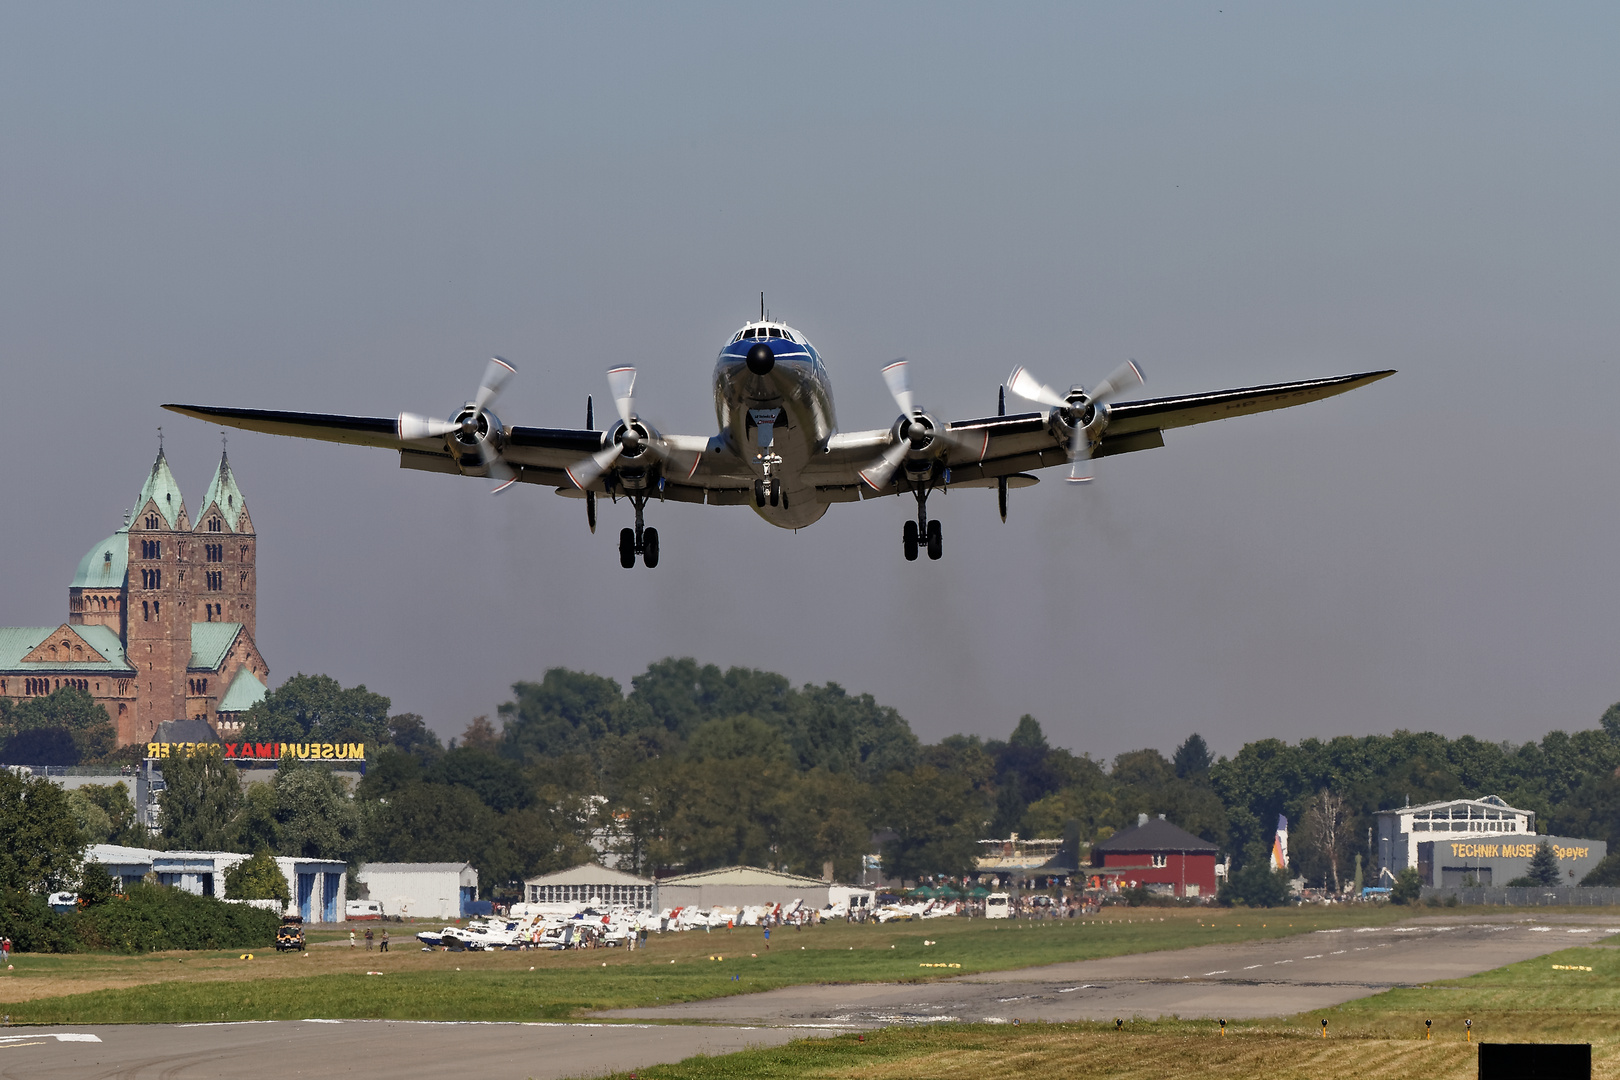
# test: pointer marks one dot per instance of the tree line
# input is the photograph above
(693, 767)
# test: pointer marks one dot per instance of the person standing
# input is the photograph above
(384, 946)
(351, 939)
(767, 935)
(368, 939)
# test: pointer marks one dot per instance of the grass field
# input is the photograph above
(1381, 1037)
(330, 981)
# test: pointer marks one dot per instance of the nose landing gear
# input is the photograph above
(922, 534)
(641, 540)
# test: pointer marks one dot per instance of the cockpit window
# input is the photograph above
(775, 332)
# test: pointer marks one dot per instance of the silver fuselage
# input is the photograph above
(792, 404)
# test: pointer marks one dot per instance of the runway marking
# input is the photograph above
(1251, 967)
(1274, 963)
(1336, 952)
(1577, 931)
(1362, 948)
(13, 1046)
(59, 1036)
(1220, 972)
(1318, 956)
(1340, 930)
(1540, 929)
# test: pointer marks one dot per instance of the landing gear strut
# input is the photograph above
(641, 540)
(922, 533)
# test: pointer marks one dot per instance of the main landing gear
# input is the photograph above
(638, 541)
(922, 533)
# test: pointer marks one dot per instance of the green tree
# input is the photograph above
(1543, 869)
(315, 816)
(410, 733)
(42, 846)
(316, 708)
(1611, 720)
(937, 819)
(1192, 758)
(106, 815)
(1256, 884)
(65, 727)
(1407, 888)
(96, 885)
(200, 797)
(565, 712)
(257, 878)
(736, 737)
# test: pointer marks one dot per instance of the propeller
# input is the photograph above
(474, 424)
(917, 430)
(1078, 408)
(632, 439)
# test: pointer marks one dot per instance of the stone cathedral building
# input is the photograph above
(160, 616)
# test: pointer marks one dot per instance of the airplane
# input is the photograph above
(778, 445)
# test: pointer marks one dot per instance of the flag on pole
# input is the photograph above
(1279, 846)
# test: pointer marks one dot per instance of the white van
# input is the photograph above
(998, 905)
(354, 910)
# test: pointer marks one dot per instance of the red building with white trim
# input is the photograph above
(1155, 852)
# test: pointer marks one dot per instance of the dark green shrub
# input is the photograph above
(150, 918)
(1408, 887)
(30, 923)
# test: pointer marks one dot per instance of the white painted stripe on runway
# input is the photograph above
(59, 1036)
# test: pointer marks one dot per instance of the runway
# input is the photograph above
(1237, 981)
(395, 1050)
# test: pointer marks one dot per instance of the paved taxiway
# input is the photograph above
(359, 1048)
(1237, 981)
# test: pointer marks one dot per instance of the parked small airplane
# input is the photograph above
(778, 445)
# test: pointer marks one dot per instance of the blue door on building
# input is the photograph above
(306, 895)
(468, 895)
(331, 885)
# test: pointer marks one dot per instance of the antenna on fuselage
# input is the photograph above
(762, 305)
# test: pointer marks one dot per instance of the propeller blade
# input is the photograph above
(585, 473)
(878, 474)
(495, 376)
(496, 467)
(411, 427)
(590, 511)
(1080, 456)
(622, 383)
(1027, 386)
(898, 377)
(1124, 377)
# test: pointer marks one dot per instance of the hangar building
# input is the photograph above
(1480, 841)
(582, 884)
(420, 890)
(740, 886)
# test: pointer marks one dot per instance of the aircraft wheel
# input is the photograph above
(627, 548)
(759, 492)
(935, 546)
(776, 491)
(649, 548)
(908, 537)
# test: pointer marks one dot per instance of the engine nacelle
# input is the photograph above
(1084, 417)
(477, 430)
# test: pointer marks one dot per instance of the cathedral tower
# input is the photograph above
(227, 582)
(160, 561)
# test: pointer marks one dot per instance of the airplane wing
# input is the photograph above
(1021, 442)
(540, 454)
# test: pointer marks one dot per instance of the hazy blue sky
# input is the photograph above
(348, 207)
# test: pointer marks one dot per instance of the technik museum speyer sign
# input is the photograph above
(265, 751)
